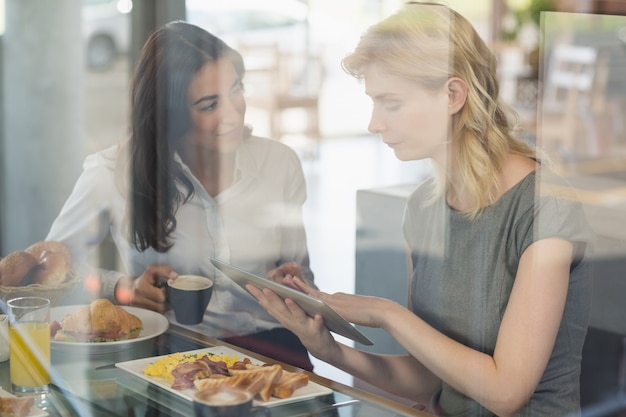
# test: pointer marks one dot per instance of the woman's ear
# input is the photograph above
(457, 94)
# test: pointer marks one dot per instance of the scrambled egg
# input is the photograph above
(163, 367)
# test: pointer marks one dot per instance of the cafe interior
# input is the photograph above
(65, 68)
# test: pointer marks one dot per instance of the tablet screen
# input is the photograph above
(310, 305)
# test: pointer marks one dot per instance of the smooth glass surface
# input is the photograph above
(89, 384)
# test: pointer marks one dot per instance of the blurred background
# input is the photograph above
(65, 66)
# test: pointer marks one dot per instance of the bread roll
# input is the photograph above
(55, 262)
(53, 269)
(16, 268)
(38, 249)
(16, 406)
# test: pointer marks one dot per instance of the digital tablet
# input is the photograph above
(310, 305)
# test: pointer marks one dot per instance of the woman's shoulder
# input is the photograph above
(106, 167)
(517, 170)
(269, 150)
(424, 191)
(262, 142)
(107, 157)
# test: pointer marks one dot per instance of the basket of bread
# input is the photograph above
(43, 269)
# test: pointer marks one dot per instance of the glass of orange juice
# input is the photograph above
(29, 344)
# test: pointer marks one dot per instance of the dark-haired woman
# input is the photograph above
(192, 183)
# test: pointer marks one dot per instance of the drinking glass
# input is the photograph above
(4, 337)
(29, 340)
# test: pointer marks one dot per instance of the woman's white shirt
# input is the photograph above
(256, 224)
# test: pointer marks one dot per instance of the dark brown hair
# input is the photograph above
(160, 119)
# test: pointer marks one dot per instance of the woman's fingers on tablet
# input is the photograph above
(281, 309)
(253, 290)
(296, 283)
(299, 284)
(268, 300)
(295, 309)
(288, 281)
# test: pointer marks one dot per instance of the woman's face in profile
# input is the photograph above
(217, 107)
(411, 120)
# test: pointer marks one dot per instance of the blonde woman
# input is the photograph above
(500, 284)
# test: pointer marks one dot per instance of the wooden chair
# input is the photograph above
(278, 81)
(572, 94)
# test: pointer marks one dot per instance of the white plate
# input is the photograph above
(154, 324)
(136, 368)
(34, 411)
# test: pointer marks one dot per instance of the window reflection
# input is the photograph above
(578, 117)
(106, 31)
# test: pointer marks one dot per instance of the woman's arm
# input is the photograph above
(85, 217)
(399, 374)
(502, 383)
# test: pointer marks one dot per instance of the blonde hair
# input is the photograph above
(429, 43)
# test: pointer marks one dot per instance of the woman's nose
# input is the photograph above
(230, 111)
(375, 126)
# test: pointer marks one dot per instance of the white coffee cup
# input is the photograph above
(226, 402)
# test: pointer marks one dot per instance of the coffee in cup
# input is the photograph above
(226, 402)
(189, 296)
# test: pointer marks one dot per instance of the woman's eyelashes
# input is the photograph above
(392, 106)
(386, 104)
(210, 106)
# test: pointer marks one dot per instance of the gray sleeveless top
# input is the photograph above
(464, 270)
